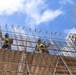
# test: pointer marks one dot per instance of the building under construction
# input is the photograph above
(23, 59)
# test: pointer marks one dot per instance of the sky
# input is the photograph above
(51, 15)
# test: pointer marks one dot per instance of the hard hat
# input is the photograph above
(39, 40)
(6, 35)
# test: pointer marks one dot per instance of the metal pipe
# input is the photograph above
(63, 60)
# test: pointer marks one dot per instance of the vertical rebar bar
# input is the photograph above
(15, 36)
(1, 36)
(22, 54)
(27, 65)
(62, 59)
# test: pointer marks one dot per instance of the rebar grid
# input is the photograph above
(22, 59)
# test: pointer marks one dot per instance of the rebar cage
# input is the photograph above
(23, 59)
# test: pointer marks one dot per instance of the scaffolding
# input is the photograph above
(23, 59)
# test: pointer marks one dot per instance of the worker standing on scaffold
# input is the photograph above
(40, 47)
(7, 41)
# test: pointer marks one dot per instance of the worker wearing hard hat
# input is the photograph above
(40, 47)
(7, 42)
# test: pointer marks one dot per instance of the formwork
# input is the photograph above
(23, 59)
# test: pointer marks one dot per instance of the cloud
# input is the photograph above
(70, 32)
(36, 11)
(46, 16)
(49, 15)
(66, 1)
(9, 7)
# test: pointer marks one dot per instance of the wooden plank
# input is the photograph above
(38, 63)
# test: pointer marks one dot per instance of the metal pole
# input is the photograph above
(15, 36)
(1, 35)
(27, 65)
(63, 60)
(22, 55)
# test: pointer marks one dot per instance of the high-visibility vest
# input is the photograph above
(6, 39)
(41, 45)
(37, 46)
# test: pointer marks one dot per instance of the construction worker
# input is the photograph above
(7, 42)
(37, 46)
(40, 47)
(0, 34)
(46, 48)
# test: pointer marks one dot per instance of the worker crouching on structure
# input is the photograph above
(7, 41)
(41, 47)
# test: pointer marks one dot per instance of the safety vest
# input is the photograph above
(6, 39)
(41, 45)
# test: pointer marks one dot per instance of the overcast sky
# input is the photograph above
(51, 15)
